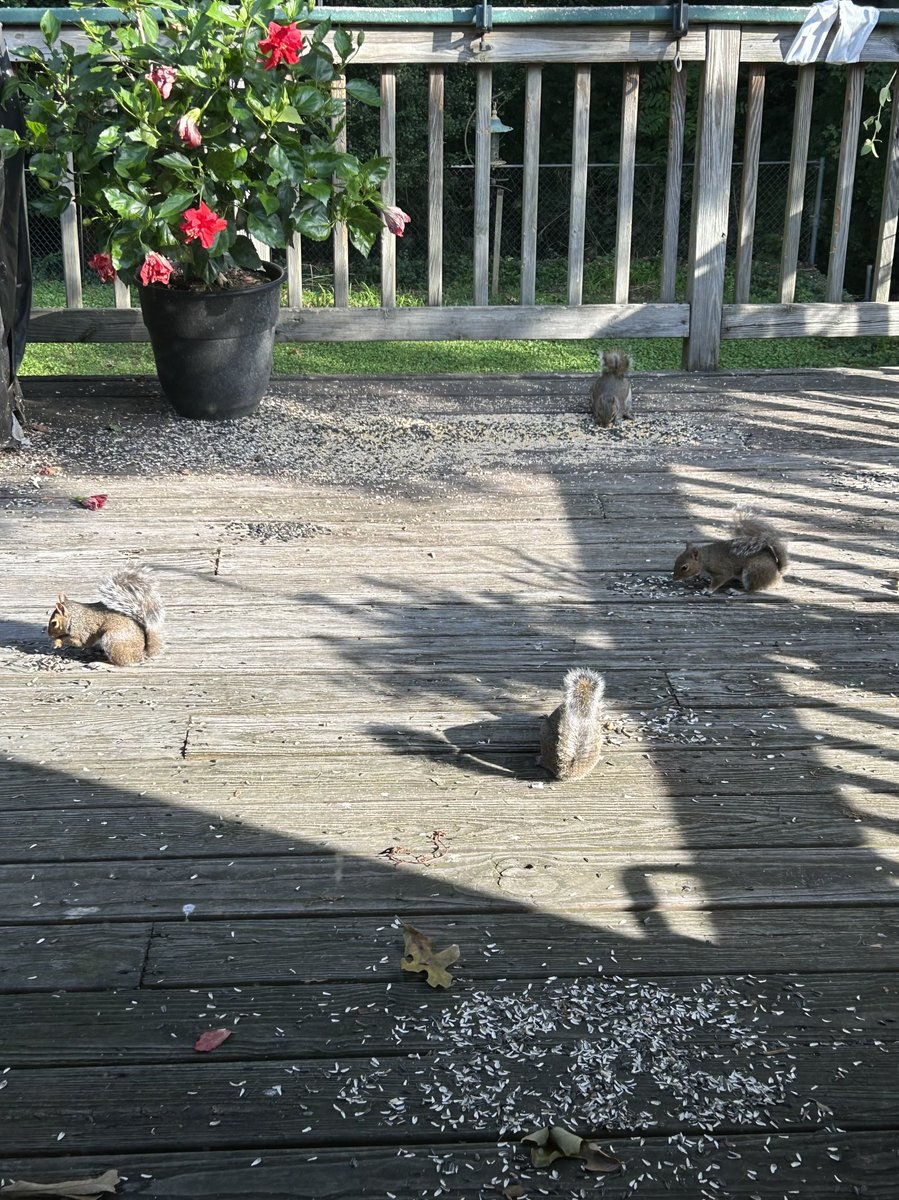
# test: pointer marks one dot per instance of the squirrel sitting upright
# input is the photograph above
(611, 392)
(756, 556)
(126, 622)
(571, 737)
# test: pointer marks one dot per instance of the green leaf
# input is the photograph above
(361, 89)
(376, 170)
(884, 94)
(308, 99)
(110, 138)
(174, 205)
(244, 253)
(149, 26)
(9, 142)
(123, 204)
(179, 163)
(267, 229)
(279, 160)
(343, 43)
(868, 148)
(314, 223)
(318, 188)
(223, 14)
(45, 166)
(289, 116)
(50, 27)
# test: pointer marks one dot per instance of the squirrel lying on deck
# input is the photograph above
(571, 737)
(126, 622)
(756, 556)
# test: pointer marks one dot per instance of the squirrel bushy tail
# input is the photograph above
(134, 594)
(584, 690)
(752, 535)
(615, 362)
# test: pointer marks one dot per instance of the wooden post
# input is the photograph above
(751, 151)
(842, 208)
(579, 150)
(889, 211)
(341, 243)
(482, 184)
(530, 184)
(295, 273)
(673, 182)
(71, 250)
(627, 162)
(435, 185)
(122, 293)
(711, 197)
(388, 187)
(802, 119)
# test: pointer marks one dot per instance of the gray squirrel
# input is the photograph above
(126, 623)
(611, 391)
(571, 737)
(756, 556)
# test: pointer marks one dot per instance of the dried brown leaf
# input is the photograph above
(78, 1189)
(554, 1141)
(402, 854)
(419, 954)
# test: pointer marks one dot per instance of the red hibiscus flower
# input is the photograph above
(202, 223)
(102, 264)
(283, 41)
(188, 129)
(156, 269)
(396, 220)
(164, 78)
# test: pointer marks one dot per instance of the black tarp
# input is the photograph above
(15, 261)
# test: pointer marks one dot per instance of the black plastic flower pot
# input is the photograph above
(213, 350)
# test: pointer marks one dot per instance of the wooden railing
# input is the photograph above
(533, 38)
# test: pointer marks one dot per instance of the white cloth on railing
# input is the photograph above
(856, 24)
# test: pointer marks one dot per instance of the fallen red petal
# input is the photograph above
(93, 502)
(212, 1039)
(49, 470)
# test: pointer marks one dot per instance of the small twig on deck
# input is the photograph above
(401, 854)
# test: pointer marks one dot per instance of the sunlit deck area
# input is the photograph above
(374, 588)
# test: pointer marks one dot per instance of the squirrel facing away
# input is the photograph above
(756, 556)
(571, 737)
(611, 392)
(126, 622)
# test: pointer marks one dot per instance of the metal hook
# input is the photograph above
(678, 62)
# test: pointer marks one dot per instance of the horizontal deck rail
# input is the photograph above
(722, 40)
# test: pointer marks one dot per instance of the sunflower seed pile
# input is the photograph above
(275, 531)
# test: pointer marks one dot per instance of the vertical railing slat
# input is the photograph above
(435, 185)
(751, 152)
(530, 183)
(388, 187)
(483, 104)
(340, 240)
(673, 183)
(71, 250)
(580, 146)
(802, 119)
(711, 196)
(626, 167)
(122, 293)
(842, 208)
(295, 272)
(889, 211)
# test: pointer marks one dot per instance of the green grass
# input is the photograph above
(420, 358)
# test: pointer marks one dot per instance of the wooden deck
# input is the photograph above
(691, 955)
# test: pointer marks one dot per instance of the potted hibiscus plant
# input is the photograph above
(194, 127)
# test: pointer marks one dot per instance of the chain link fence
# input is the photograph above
(552, 233)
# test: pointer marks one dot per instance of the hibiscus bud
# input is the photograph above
(188, 129)
(396, 220)
(164, 78)
(102, 264)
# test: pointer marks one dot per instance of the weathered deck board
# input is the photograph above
(861, 1161)
(377, 675)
